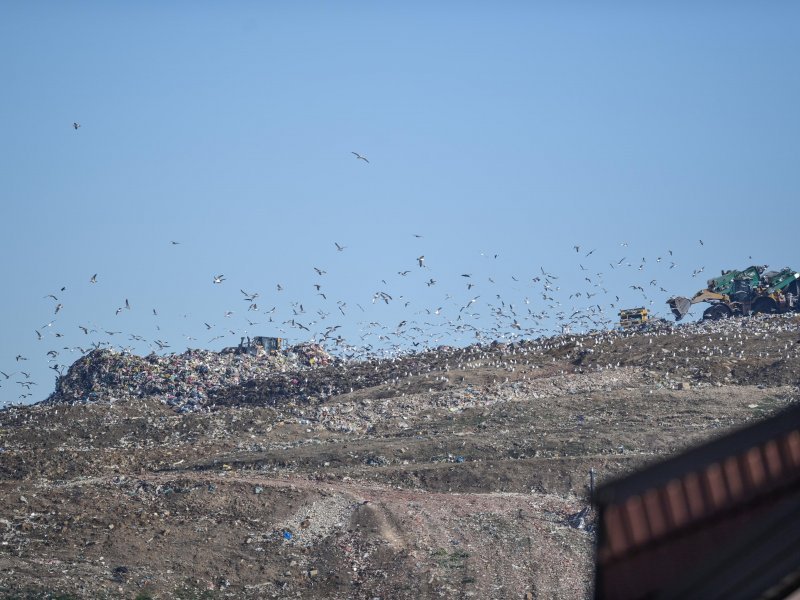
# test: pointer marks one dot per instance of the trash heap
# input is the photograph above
(187, 382)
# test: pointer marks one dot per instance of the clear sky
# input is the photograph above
(504, 134)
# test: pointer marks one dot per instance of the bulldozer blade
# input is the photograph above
(680, 306)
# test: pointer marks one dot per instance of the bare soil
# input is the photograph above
(455, 473)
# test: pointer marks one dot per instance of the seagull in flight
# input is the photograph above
(93, 279)
(359, 157)
(75, 126)
(219, 278)
(338, 247)
(421, 260)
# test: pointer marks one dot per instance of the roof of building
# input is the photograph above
(711, 517)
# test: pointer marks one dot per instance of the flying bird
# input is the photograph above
(338, 247)
(421, 259)
(75, 126)
(93, 279)
(219, 278)
(359, 157)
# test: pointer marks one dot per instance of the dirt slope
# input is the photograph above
(460, 473)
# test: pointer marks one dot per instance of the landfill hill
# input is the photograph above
(450, 473)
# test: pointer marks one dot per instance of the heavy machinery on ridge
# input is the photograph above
(742, 293)
(633, 318)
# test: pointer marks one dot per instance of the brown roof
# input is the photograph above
(669, 530)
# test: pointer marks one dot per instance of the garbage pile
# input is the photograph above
(311, 355)
(200, 379)
(187, 382)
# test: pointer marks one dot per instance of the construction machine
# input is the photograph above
(630, 318)
(751, 291)
(257, 345)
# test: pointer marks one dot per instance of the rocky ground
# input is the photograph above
(454, 473)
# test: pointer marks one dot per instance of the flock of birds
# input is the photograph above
(485, 312)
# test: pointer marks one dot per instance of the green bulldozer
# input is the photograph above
(742, 293)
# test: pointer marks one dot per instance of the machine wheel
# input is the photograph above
(766, 306)
(716, 312)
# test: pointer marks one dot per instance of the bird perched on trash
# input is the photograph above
(359, 157)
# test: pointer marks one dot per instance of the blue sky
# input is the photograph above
(518, 131)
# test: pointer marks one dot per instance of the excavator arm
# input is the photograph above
(680, 306)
